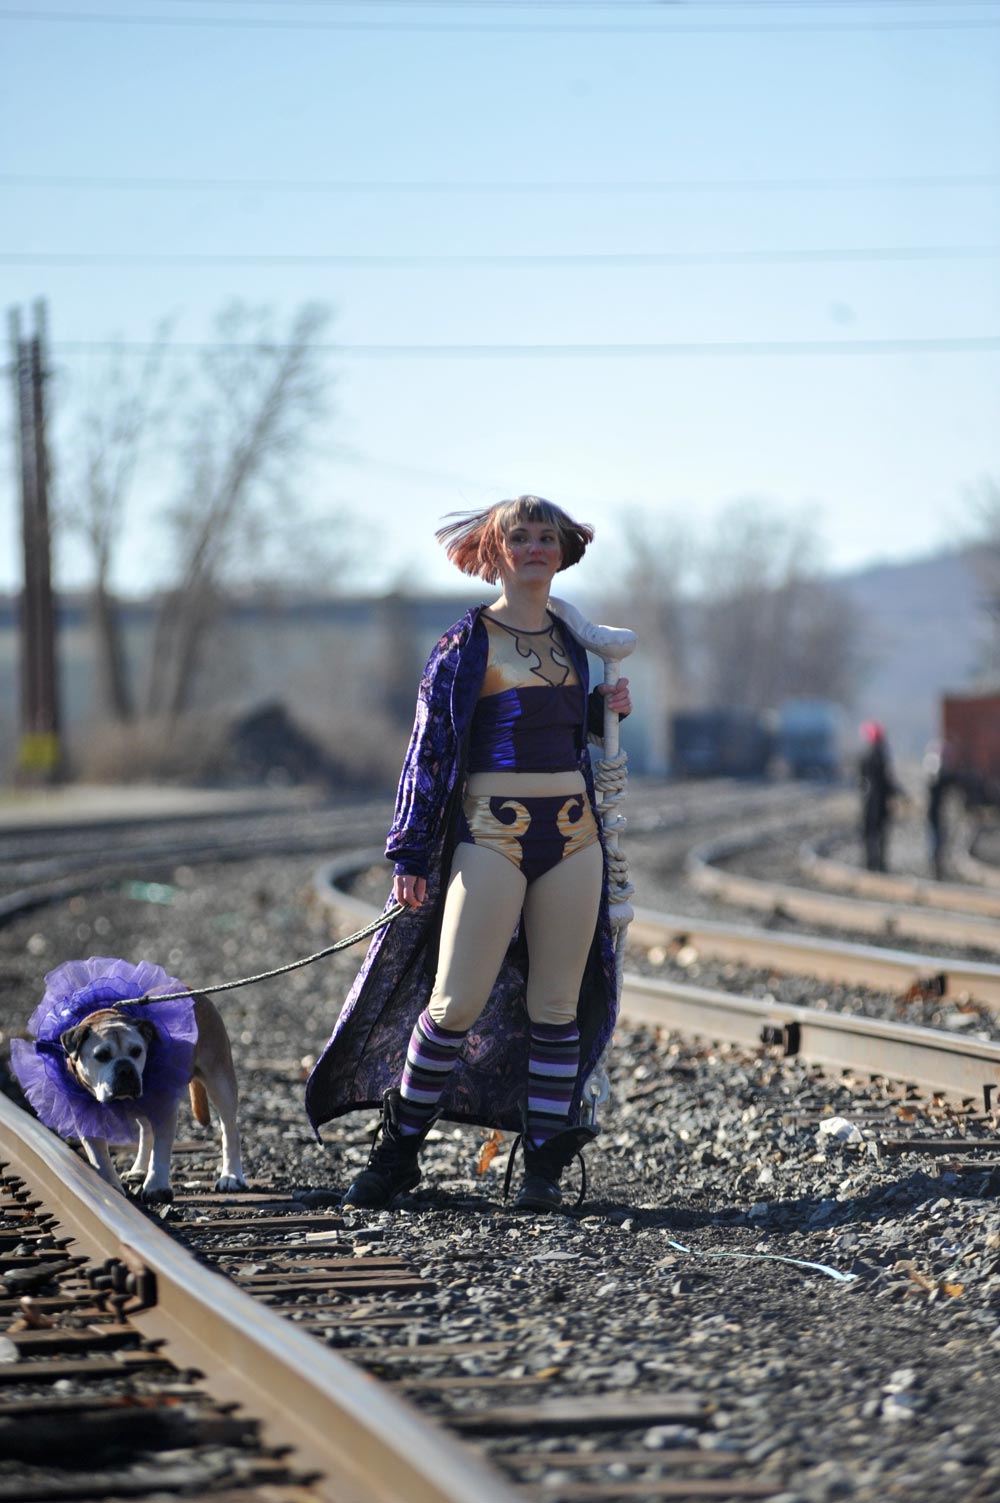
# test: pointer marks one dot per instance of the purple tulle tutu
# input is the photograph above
(72, 992)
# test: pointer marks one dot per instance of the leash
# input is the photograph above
(293, 965)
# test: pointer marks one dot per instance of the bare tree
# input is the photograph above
(249, 426)
(116, 426)
(773, 625)
(653, 598)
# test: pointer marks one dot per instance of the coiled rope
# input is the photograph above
(610, 780)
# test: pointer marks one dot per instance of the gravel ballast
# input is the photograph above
(879, 1387)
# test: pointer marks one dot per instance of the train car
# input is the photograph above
(809, 739)
(970, 732)
(720, 743)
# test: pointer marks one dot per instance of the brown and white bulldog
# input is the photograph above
(106, 1053)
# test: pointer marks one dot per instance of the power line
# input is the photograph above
(286, 23)
(678, 6)
(860, 255)
(514, 185)
(728, 349)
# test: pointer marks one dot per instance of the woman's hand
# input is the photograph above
(617, 696)
(410, 891)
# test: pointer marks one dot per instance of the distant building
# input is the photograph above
(325, 659)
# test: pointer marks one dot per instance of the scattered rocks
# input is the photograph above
(883, 1386)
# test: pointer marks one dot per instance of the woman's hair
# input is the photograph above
(474, 541)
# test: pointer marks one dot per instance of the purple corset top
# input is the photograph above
(528, 730)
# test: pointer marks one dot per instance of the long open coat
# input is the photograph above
(367, 1050)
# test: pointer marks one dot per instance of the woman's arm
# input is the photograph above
(428, 769)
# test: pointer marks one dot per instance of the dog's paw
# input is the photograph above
(230, 1182)
(156, 1195)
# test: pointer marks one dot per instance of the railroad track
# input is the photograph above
(875, 913)
(940, 1064)
(150, 1322)
(878, 966)
(49, 861)
(343, 1431)
(956, 897)
(242, 1299)
(329, 1285)
(48, 864)
(255, 1301)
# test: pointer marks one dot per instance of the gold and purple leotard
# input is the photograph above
(528, 719)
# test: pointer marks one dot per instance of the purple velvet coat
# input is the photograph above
(367, 1050)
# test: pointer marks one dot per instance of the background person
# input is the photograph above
(941, 776)
(878, 790)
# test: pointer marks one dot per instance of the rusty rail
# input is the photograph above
(370, 1446)
(923, 892)
(825, 959)
(942, 1064)
(809, 906)
(936, 1061)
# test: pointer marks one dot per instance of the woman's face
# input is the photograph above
(531, 551)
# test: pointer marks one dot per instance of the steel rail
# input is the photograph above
(923, 891)
(93, 810)
(942, 1063)
(76, 872)
(199, 836)
(824, 959)
(973, 869)
(369, 1446)
(964, 859)
(864, 916)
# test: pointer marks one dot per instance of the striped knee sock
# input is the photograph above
(430, 1059)
(553, 1062)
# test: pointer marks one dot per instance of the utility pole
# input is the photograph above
(39, 753)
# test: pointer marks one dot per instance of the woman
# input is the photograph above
(497, 857)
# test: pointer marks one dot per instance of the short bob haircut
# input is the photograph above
(474, 541)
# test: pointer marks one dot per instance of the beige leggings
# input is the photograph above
(486, 896)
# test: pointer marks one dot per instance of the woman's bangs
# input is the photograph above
(530, 509)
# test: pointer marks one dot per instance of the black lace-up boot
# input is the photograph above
(543, 1167)
(392, 1167)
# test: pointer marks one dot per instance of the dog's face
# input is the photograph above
(107, 1053)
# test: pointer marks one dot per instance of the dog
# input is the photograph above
(106, 1053)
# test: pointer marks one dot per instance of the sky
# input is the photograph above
(645, 259)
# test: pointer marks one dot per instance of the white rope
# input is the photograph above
(619, 886)
(611, 644)
(611, 775)
(611, 782)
